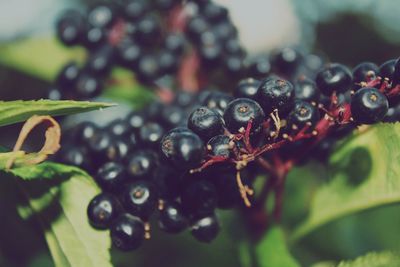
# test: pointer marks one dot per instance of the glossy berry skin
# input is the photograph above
(148, 68)
(88, 86)
(135, 9)
(67, 77)
(70, 28)
(93, 37)
(172, 219)
(240, 111)
(396, 73)
(303, 113)
(287, 60)
(111, 176)
(75, 155)
(214, 13)
(259, 67)
(119, 128)
(84, 132)
(364, 72)
(218, 101)
(151, 134)
(102, 147)
(199, 198)
(247, 88)
(140, 198)
(219, 146)
(127, 232)
(183, 148)
(136, 120)
(102, 210)
(369, 106)
(305, 89)
(148, 30)
(101, 60)
(101, 16)
(205, 122)
(141, 164)
(386, 70)
(334, 77)
(128, 53)
(173, 116)
(206, 229)
(174, 43)
(275, 93)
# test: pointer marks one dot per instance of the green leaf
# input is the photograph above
(19, 110)
(365, 174)
(374, 259)
(59, 201)
(272, 250)
(39, 57)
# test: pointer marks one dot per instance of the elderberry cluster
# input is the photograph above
(134, 35)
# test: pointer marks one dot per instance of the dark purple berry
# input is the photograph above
(93, 37)
(364, 72)
(259, 67)
(240, 111)
(119, 128)
(100, 61)
(127, 232)
(303, 113)
(396, 73)
(101, 16)
(206, 123)
(219, 146)
(172, 219)
(68, 76)
(386, 70)
(306, 90)
(111, 176)
(151, 134)
(206, 229)
(70, 27)
(135, 9)
(140, 198)
(199, 198)
(183, 147)
(334, 78)
(218, 101)
(247, 88)
(103, 209)
(369, 106)
(148, 30)
(128, 53)
(88, 86)
(275, 94)
(287, 60)
(141, 164)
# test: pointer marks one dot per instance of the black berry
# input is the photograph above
(103, 209)
(275, 94)
(205, 122)
(172, 219)
(334, 77)
(140, 198)
(127, 232)
(369, 106)
(206, 229)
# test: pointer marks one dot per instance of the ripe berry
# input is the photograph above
(386, 70)
(173, 116)
(168, 62)
(369, 106)
(196, 26)
(214, 13)
(240, 111)
(247, 88)
(259, 67)
(101, 16)
(148, 68)
(364, 72)
(127, 232)
(148, 30)
(334, 77)
(172, 219)
(111, 176)
(128, 53)
(84, 131)
(102, 210)
(219, 146)
(67, 77)
(119, 128)
(151, 134)
(306, 90)
(287, 60)
(75, 155)
(135, 9)
(205, 122)
(183, 147)
(140, 198)
(100, 62)
(88, 86)
(141, 164)
(70, 27)
(396, 73)
(303, 113)
(393, 114)
(218, 101)
(136, 120)
(275, 93)
(206, 229)
(199, 198)
(103, 148)
(93, 37)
